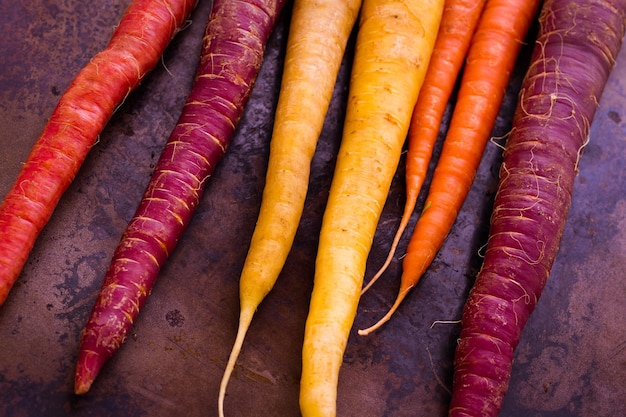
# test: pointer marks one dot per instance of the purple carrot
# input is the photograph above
(230, 59)
(577, 44)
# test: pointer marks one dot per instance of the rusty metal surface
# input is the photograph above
(572, 358)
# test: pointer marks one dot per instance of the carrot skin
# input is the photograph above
(430, 107)
(393, 46)
(490, 60)
(318, 35)
(231, 57)
(85, 107)
(572, 59)
(458, 22)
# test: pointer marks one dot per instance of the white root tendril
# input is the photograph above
(444, 322)
(503, 138)
(437, 377)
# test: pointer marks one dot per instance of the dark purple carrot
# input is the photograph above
(231, 56)
(576, 48)
(135, 48)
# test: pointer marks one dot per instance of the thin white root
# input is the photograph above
(437, 377)
(245, 319)
(503, 138)
(394, 245)
(444, 322)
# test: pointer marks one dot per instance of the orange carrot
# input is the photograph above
(491, 58)
(458, 23)
(86, 106)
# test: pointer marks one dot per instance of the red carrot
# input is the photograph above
(491, 58)
(458, 23)
(136, 46)
(231, 56)
(576, 48)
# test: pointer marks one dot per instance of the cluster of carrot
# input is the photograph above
(409, 56)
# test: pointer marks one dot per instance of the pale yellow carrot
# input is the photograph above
(394, 43)
(318, 35)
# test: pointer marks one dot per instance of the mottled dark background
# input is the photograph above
(571, 361)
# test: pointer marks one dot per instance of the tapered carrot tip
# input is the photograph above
(95, 351)
(87, 369)
(401, 296)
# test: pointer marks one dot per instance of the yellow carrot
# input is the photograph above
(318, 35)
(394, 43)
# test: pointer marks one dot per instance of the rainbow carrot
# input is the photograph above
(394, 44)
(232, 52)
(576, 48)
(458, 23)
(318, 36)
(491, 58)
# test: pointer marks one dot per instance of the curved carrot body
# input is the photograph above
(575, 51)
(458, 22)
(135, 47)
(318, 36)
(490, 60)
(232, 53)
(394, 44)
